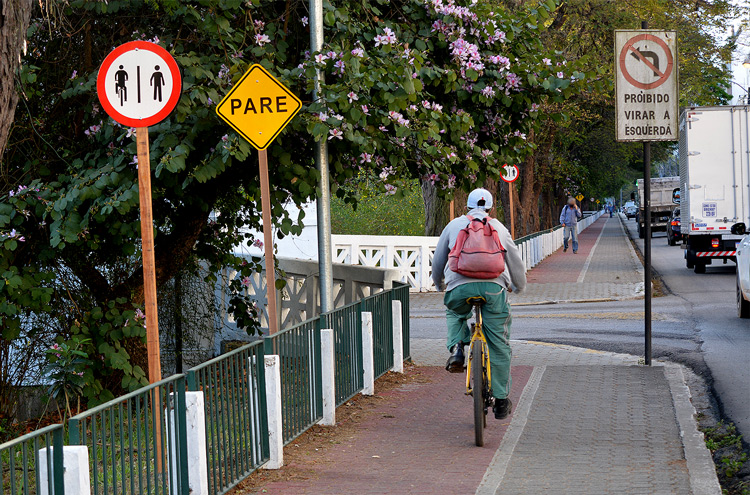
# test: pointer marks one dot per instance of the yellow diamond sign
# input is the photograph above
(258, 107)
(579, 197)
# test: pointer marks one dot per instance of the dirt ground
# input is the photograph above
(309, 449)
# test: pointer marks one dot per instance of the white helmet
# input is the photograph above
(479, 198)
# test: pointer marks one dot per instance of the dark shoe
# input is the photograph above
(575, 252)
(565, 250)
(455, 362)
(502, 408)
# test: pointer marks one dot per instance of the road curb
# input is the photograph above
(573, 301)
(700, 464)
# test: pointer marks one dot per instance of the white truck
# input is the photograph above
(715, 182)
(662, 193)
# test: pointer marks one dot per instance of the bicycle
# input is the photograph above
(478, 374)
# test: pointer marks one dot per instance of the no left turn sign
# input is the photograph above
(139, 84)
(646, 85)
(646, 61)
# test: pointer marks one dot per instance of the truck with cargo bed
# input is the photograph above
(714, 152)
(662, 192)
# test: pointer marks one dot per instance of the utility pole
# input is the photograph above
(325, 251)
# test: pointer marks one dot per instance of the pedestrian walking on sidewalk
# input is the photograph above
(492, 286)
(569, 220)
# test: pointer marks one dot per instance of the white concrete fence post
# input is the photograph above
(197, 452)
(368, 354)
(76, 477)
(273, 405)
(328, 375)
(398, 338)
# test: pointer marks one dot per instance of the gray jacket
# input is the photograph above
(515, 269)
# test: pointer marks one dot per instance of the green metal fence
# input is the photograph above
(400, 292)
(298, 349)
(379, 305)
(346, 323)
(236, 424)
(22, 464)
(137, 443)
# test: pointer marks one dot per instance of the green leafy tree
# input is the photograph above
(442, 90)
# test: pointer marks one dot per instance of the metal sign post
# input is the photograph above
(258, 107)
(646, 84)
(510, 176)
(325, 248)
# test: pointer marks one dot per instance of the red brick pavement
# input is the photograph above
(565, 267)
(419, 441)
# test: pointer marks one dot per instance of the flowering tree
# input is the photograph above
(443, 90)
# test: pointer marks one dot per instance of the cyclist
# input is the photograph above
(496, 315)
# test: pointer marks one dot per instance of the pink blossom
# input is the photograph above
(547, 61)
(320, 58)
(262, 39)
(352, 96)
(365, 158)
(257, 243)
(358, 52)
(387, 38)
(365, 110)
(304, 21)
(390, 189)
(335, 133)
(245, 282)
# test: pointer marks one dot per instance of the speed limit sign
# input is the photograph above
(510, 173)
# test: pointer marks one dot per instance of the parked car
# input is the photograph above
(743, 277)
(631, 210)
(674, 235)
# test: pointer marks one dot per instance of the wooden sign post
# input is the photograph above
(258, 107)
(265, 205)
(510, 176)
(147, 249)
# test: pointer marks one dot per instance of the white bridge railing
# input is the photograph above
(412, 256)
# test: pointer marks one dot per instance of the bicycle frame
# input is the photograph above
(478, 334)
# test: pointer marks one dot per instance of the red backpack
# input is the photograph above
(478, 252)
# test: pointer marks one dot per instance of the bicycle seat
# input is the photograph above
(476, 300)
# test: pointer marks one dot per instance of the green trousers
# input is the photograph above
(496, 320)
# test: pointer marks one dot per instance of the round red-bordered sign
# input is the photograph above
(663, 76)
(511, 173)
(139, 84)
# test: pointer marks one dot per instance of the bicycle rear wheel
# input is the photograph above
(477, 391)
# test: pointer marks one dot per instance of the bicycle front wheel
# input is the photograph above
(477, 391)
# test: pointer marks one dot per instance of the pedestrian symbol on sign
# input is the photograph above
(157, 81)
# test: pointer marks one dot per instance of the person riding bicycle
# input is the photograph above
(496, 315)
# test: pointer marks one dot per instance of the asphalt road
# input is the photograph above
(695, 324)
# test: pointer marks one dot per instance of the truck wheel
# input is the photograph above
(700, 268)
(743, 306)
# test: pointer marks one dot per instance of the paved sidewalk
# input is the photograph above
(605, 268)
(583, 421)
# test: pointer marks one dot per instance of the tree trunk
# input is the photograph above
(14, 20)
(436, 210)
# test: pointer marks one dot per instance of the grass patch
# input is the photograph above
(729, 457)
(378, 213)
